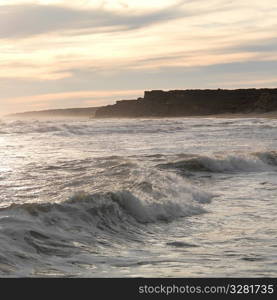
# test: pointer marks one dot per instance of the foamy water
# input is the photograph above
(182, 197)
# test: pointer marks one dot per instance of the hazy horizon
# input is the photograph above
(62, 54)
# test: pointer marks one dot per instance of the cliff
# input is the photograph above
(158, 103)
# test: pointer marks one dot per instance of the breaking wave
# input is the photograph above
(254, 162)
(88, 222)
(82, 127)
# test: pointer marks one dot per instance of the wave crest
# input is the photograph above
(253, 162)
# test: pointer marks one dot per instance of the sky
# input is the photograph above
(80, 53)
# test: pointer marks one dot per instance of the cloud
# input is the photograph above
(76, 95)
(67, 46)
(263, 45)
(20, 21)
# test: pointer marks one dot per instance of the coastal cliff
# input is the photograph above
(175, 103)
(83, 112)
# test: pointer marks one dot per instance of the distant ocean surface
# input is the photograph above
(180, 197)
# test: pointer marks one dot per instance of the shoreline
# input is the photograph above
(268, 115)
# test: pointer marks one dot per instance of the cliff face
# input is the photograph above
(176, 103)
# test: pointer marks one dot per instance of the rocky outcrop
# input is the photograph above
(158, 103)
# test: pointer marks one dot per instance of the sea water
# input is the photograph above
(178, 197)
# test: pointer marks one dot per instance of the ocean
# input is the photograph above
(178, 197)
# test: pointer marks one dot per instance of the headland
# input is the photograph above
(178, 103)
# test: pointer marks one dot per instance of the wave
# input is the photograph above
(66, 127)
(93, 222)
(111, 207)
(253, 162)
(83, 127)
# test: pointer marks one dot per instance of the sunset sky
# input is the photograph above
(78, 53)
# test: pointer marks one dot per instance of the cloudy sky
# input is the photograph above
(78, 53)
